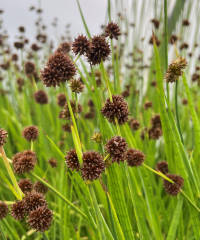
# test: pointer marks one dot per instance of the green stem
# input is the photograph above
(177, 115)
(166, 42)
(59, 194)
(11, 174)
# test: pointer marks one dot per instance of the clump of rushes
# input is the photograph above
(53, 162)
(61, 99)
(3, 136)
(41, 97)
(65, 113)
(25, 185)
(162, 167)
(33, 200)
(134, 157)
(117, 109)
(64, 47)
(72, 160)
(93, 166)
(30, 133)
(24, 162)
(76, 85)
(112, 30)
(99, 50)
(3, 210)
(116, 147)
(18, 210)
(175, 69)
(81, 45)
(40, 219)
(173, 188)
(29, 68)
(40, 188)
(58, 69)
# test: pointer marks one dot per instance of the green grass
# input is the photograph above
(125, 202)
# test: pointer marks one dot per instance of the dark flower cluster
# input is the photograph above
(112, 30)
(173, 188)
(134, 157)
(24, 161)
(30, 133)
(58, 69)
(61, 99)
(116, 109)
(175, 69)
(72, 160)
(116, 147)
(3, 136)
(25, 185)
(93, 166)
(81, 45)
(162, 167)
(34, 208)
(99, 50)
(41, 97)
(155, 132)
(3, 210)
(76, 85)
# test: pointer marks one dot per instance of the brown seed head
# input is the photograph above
(40, 188)
(3, 210)
(53, 162)
(33, 200)
(134, 124)
(25, 185)
(59, 69)
(30, 133)
(118, 109)
(173, 188)
(112, 30)
(24, 162)
(81, 45)
(40, 219)
(93, 166)
(99, 50)
(116, 147)
(64, 48)
(61, 99)
(29, 68)
(41, 97)
(175, 69)
(134, 157)
(162, 166)
(72, 160)
(76, 85)
(3, 137)
(18, 210)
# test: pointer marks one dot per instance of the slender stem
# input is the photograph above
(177, 115)
(166, 42)
(190, 201)
(11, 174)
(59, 194)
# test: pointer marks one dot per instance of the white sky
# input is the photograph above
(16, 14)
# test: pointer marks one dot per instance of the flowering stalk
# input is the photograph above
(10, 173)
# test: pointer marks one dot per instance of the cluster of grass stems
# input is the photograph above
(124, 203)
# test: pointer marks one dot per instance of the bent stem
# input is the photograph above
(171, 181)
(11, 174)
(59, 195)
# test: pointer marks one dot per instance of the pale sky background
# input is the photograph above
(17, 13)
